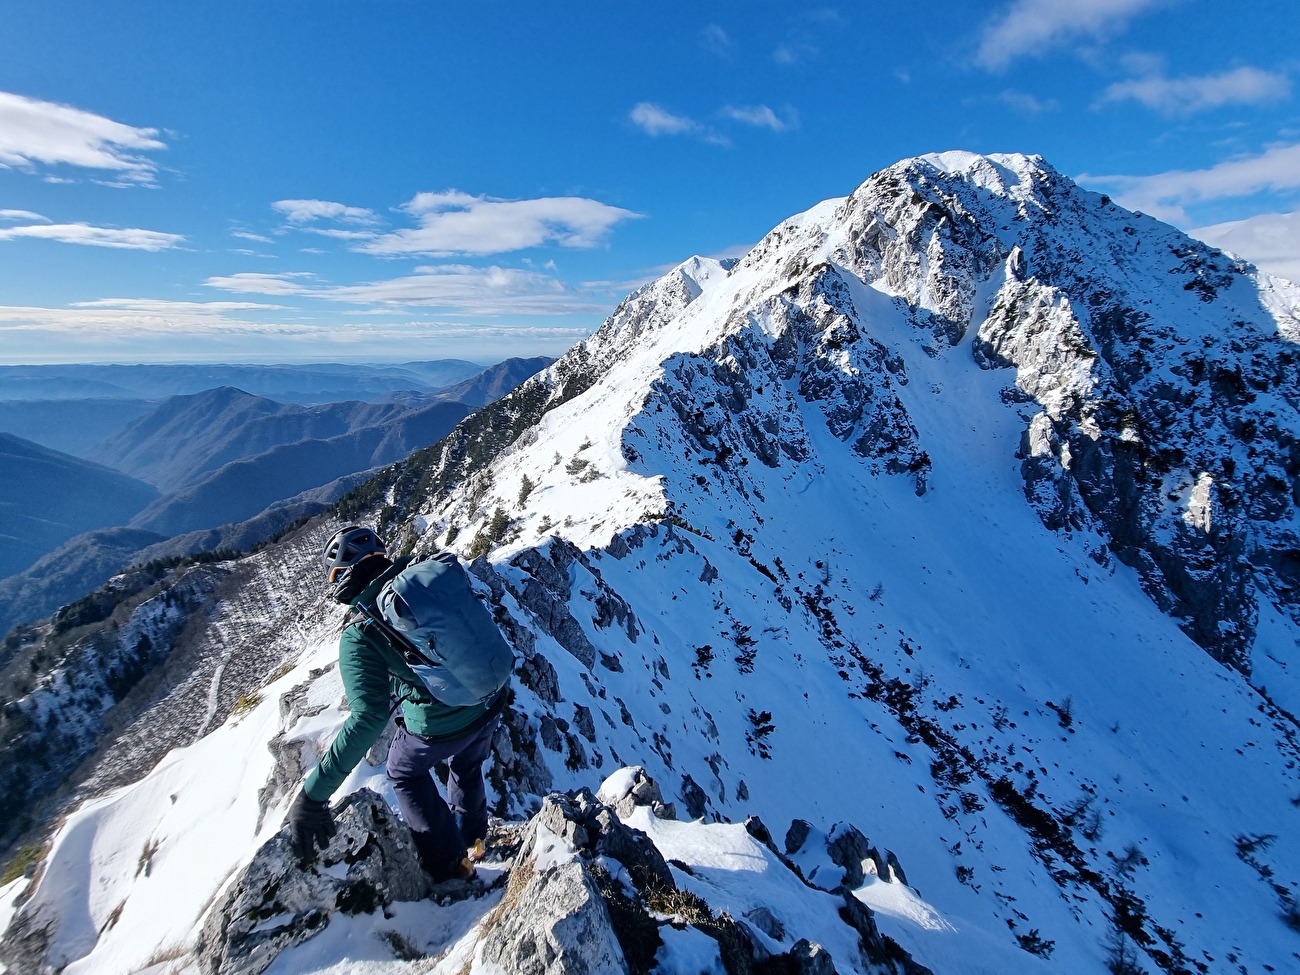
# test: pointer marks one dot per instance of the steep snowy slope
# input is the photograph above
(962, 509)
(797, 550)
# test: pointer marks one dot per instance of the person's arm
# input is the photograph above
(365, 680)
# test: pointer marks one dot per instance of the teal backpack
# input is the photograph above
(430, 614)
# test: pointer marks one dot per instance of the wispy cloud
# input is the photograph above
(133, 330)
(258, 283)
(760, 116)
(1166, 195)
(1035, 26)
(10, 216)
(161, 306)
(306, 211)
(112, 319)
(454, 222)
(1025, 103)
(1183, 96)
(129, 238)
(35, 134)
(452, 288)
(656, 120)
(795, 51)
(716, 41)
(247, 235)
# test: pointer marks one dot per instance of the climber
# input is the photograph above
(448, 835)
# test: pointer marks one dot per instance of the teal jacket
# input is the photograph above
(373, 673)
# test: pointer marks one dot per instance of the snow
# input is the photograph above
(900, 902)
(687, 952)
(133, 871)
(364, 944)
(551, 850)
(617, 785)
(735, 873)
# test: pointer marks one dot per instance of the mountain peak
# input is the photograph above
(1096, 317)
(960, 162)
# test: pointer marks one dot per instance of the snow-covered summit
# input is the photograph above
(997, 171)
(1107, 320)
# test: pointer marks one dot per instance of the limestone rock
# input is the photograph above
(554, 922)
(275, 903)
(632, 787)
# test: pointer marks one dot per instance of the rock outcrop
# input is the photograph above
(590, 894)
(275, 903)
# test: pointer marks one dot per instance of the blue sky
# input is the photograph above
(287, 180)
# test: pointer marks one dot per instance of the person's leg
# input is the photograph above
(466, 793)
(432, 824)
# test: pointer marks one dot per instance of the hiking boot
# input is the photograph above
(459, 869)
(462, 869)
(476, 852)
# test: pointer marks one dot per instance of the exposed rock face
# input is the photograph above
(288, 772)
(564, 912)
(275, 904)
(555, 923)
(26, 942)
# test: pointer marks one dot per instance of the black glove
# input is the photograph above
(311, 824)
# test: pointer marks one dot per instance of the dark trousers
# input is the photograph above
(442, 830)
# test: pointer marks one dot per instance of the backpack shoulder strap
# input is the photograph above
(368, 616)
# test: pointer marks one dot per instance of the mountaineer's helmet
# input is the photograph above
(350, 561)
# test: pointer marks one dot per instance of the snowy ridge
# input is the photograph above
(961, 510)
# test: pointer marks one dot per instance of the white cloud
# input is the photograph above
(457, 223)
(459, 288)
(759, 116)
(305, 211)
(162, 306)
(339, 234)
(133, 330)
(1270, 241)
(654, 120)
(1166, 195)
(716, 41)
(1031, 27)
(1025, 103)
(36, 133)
(13, 215)
(247, 235)
(1241, 86)
(109, 317)
(795, 52)
(80, 233)
(258, 283)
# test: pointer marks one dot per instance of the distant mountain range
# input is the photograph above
(73, 426)
(47, 497)
(241, 488)
(185, 438)
(221, 468)
(310, 383)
